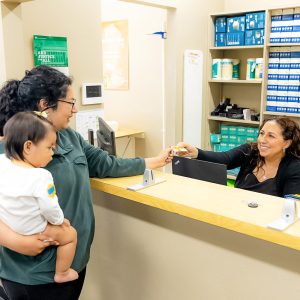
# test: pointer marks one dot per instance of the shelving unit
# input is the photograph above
(245, 93)
(222, 119)
(235, 81)
(16, 1)
(271, 113)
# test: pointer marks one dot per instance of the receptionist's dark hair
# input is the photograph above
(290, 131)
(41, 82)
(22, 127)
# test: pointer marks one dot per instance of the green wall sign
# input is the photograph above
(51, 51)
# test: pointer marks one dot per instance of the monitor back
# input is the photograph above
(106, 137)
(200, 169)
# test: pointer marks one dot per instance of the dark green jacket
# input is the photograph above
(72, 165)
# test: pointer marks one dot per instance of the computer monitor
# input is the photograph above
(106, 137)
(200, 169)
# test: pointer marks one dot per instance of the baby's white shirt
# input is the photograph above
(27, 198)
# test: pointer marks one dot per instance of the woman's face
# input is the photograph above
(66, 107)
(270, 141)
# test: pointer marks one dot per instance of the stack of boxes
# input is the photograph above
(285, 26)
(240, 30)
(235, 31)
(220, 31)
(231, 137)
(255, 33)
(283, 80)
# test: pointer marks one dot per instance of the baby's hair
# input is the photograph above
(22, 127)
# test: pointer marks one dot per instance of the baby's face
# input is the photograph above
(41, 153)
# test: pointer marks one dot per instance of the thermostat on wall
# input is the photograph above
(92, 93)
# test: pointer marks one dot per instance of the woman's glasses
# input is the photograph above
(73, 102)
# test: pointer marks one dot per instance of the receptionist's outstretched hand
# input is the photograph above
(191, 150)
(162, 159)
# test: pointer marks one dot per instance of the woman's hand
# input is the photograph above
(31, 245)
(162, 159)
(191, 150)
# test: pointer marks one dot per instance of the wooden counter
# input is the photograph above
(188, 239)
(211, 203)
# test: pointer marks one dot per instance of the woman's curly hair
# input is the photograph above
(41, 82)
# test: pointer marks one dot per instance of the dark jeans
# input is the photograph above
(2, 294)
(50, 291)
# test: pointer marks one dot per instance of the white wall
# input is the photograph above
(141, 106)
(235, 5)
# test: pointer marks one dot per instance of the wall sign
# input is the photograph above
(51, 51)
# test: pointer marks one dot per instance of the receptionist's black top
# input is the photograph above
(251, 183)
(287, 179)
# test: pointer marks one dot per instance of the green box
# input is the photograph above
(232, 145)
(251, 132)
(216, 147)
(215, 138)
(251, 139)
(241, 130)
(224, 138)
(233, 139)
(224, 147)
(224, 129)
(241, 139)
(233, 130)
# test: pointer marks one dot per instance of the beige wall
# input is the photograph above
(2, 57)
(188, 28)
(155, 3)
(235, 5)
(141, 106)
(76, 19)
(13, 39)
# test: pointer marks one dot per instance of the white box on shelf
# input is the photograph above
(276, 18)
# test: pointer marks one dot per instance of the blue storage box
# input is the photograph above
(215, 138)
(220, 24)
(235, 39)
(255, 20)
(236, 24)
(254, 37)
(220, 39)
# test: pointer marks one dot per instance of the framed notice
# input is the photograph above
(115, 55)
(51, 51)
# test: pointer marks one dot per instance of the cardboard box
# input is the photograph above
(236, 24)
(235, 39)
(255, 20)
(215, 138)
(224, 129)
(254, 37)
(271, 103)
(220, 24)
(276, 18)
(220, 39)
(241, 131)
